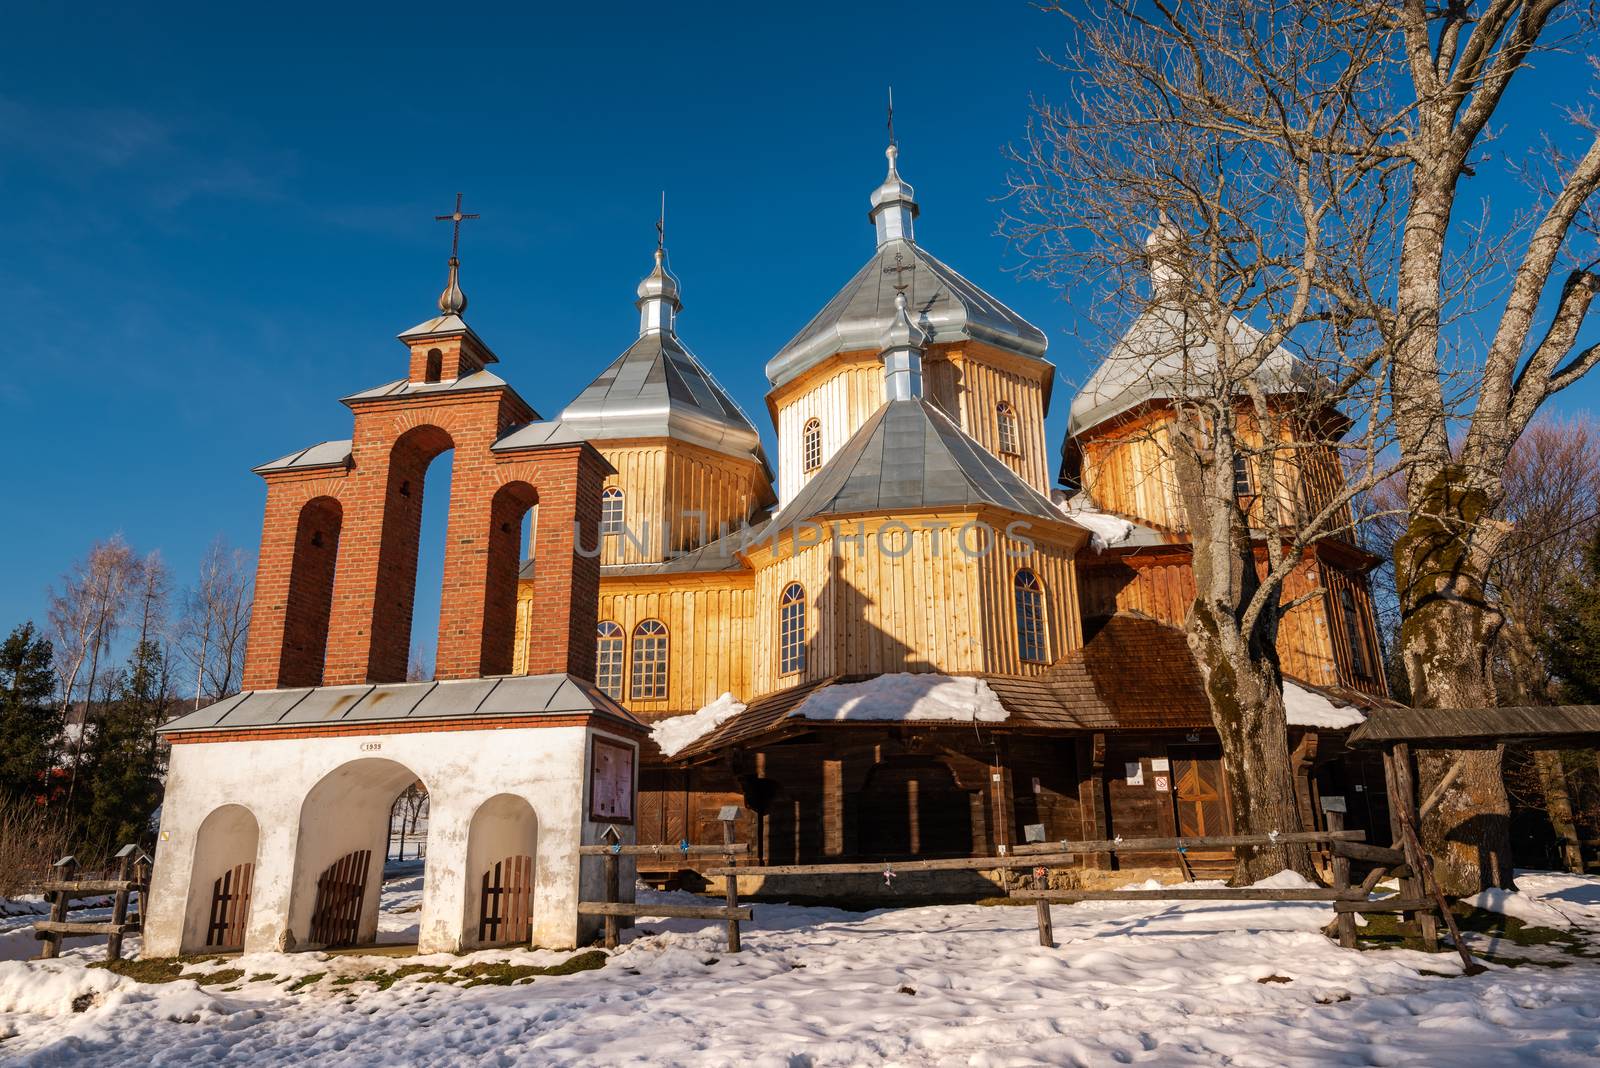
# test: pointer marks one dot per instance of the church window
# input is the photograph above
(1355, 634)
(811, 445)
(649, 660)
(1242, 484)
(434, 370)
(611, 511)
(792, 630)
(608, 659)
(1006, 421)
(1030, 616)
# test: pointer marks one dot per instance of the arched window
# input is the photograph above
(1006, 422)
(433, 370)
(611, 511)
(649, 660)
(792, 630)
(608, 659)
(811, 445)
(1030, 616)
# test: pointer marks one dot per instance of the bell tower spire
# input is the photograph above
(658, 301)
(453, 301)
(894, 203)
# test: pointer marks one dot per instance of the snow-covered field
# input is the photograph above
(1196, 984)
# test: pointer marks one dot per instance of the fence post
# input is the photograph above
(1341, 881)
(63, 870)
(119, 902)
(732, 881)
(612, 895)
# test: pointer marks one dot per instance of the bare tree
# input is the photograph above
(88, 610)
(1392, 107)
(216, 621)
(1271, 398)
(417, 667)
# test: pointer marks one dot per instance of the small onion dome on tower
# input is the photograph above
(901, 349)
(894, 204)
(1166, 276)
(453, 301)
(658, 298)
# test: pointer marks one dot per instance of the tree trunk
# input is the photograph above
(1558, 805)
(1246, 699)
(1447, 628)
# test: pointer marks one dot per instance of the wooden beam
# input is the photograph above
(1370, 853)
(44, 928)
(898, 867)
(676, 912)
(662, 851)
(1243, 893)
(1156, 845)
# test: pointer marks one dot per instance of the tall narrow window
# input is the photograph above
(1030, 617)
(1360, 660)
(611, 511)
(792, 630)
(608, 659)
(649, 660)
(1243, 486)
(434, 369)
(1006, 421)
(811, 445)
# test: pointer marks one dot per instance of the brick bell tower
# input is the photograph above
(336, 581)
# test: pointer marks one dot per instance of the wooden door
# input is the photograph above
(505, 914)
(230, 907)
(1197, 794)
(341, 890)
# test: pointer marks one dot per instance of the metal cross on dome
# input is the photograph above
(899, 269)
(455, 218)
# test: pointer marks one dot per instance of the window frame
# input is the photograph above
(1006, 430)
(611, 525)
(1355, 635)
(1028, 607)
(811, 445)
(602, 637)
(648, 661)
(792, 630)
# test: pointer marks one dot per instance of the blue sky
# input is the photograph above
(215, 222)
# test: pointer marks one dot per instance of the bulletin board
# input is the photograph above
(611, 779)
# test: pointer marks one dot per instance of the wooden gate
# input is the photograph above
(505, 910)
(230, 907)
(336, 919)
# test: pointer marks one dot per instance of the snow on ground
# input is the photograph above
(1304, 708)
(1197, 983)
(673, 734)
(905, 696)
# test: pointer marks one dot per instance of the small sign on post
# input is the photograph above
(1333, 803)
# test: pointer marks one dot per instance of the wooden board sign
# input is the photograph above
(611, 788)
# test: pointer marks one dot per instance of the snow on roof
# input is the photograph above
(1106, 530)
(674, 734)
(1306, 708)
(906, 697)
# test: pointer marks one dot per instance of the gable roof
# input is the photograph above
(946, 305)
(656, 388)
(910, 455)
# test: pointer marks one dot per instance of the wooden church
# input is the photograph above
(894, 639)
(906, 641)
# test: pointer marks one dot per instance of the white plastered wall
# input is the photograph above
(276, 778)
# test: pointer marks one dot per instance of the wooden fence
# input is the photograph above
(133, 876)
(613, 909)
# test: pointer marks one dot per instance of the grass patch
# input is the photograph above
(304, 981)
(1385, 930)
(263, 977)
(503, 973)
(158, 970)
(221, 975)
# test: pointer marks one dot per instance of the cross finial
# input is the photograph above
(891, 118)
(453, 301)
(661, 224)
(455, 219)
(898, 270)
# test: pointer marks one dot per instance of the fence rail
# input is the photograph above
(63, 889)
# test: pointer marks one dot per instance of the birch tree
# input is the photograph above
(1392, 105)
(216, 621)
(1275, 400)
